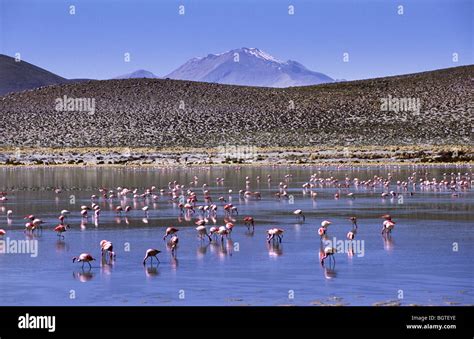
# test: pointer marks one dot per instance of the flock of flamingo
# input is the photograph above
(187, 201)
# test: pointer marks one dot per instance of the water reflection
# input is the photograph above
(174, 262)
(202, 250)
(83, 276)
(151, 271)
(62, 246)
(329, 273)
(388, 243)
(275, 249)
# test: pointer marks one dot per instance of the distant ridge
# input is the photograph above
(141, 73)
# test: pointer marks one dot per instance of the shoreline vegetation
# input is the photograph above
(238, 155)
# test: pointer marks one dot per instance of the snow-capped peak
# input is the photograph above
(260, 54)
(251, 51)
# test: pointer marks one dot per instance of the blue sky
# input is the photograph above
(91, 43)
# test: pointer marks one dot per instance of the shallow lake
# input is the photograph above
(427, 261)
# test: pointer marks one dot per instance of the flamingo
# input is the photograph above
(170, 231)
(248, 221)
(107, 247)
(37, 223)
(2, 232)
(145, 209)
(65, 213)
(203, 232)
(329, 252)
(201, 222)
(325, 223)
(229, 209)
(9, 214)
(223, 231)
(174, 243)
(151, 253)
(84, 258)
(229, 226)
(61, 229)
(189, 208)
(299, 214)
(30, 217)
(322, 232)
(29, 227)
(387, 227)
(271, 233)
(352, 233)
(213, 231)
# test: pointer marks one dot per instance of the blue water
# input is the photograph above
(416, 266)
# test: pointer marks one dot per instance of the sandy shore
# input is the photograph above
(236, 156)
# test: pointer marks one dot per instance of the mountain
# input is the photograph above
(20, 76)
(141, 73)
(253, 67)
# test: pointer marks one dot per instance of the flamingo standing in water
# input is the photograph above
(2, 232)
(352, 233)
(323, 229)
(60, 229)
(151, 253)
(174, 243)
(202, 231)
(299, 214)
(387, 225)
(37, 223)
(328, 252)
(274, 232)
(223, 231)
(213, 231)
(170, 231)
(229, 226)
(107, 247)
(248, 221)
(84, 258)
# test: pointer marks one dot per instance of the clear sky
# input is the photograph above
(380, 42)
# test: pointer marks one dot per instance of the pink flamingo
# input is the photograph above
(60, 229)
(84, 258)
(328, 252)
(248, 221)
(151, 253)
(107, 247)
(274, 232)
(170, 231)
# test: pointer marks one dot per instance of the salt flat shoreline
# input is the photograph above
(180, 156)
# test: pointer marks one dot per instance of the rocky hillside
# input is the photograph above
(163, 113)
